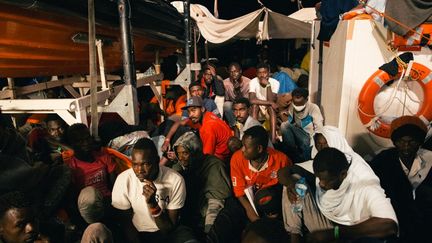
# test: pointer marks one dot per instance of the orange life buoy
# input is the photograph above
(419, 73)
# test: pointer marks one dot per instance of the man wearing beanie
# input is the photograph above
(406, 176)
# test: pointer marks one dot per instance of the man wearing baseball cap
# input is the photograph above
(406, 176)
(213, 131)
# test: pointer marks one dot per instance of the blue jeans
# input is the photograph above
(297, 141)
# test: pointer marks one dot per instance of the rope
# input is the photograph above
(363, 2)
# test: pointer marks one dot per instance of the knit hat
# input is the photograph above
(408, 126)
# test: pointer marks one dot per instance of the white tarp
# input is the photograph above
(274, 25)
(305, 14)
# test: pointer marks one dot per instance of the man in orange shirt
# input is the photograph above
(255, 167)
(173, 99)
(213, 131)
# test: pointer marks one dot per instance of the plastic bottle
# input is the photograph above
(301, 189)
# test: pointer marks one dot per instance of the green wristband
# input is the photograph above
(336, 232)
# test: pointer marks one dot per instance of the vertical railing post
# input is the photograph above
(93, 69)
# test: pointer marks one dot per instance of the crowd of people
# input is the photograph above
(214, 172)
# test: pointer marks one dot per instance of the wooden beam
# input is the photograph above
(6, 94)
(156, 93)
(148, 80)
(72, 91)
(108, 77)
(46, 85)
(84, 84)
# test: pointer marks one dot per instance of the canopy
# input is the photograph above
(272, 26)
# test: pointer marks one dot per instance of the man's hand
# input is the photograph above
(321, 236)
(274, 106)
(293, 197)
(171, 155)
(149, 192)
(165, 145)
(288, 180)
(252, 216)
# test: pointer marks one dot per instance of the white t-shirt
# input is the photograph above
(128, 189)
(261, 92)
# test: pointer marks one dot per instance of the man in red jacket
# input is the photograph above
(213, 131)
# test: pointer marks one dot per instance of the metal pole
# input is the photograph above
(93, 69)
(320, 72)
(195, 51)
(127, 43)
(129, 73)
(186, 7)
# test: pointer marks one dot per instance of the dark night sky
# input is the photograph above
(229, 9)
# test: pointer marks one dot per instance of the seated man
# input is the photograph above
(47, 144)
(263, 95)
(406, 176)
(345, 203)
(148, 198)
(241, 109)
(244, 121)
(255, 167)
(213, 132)
(93, 173)
(236, 86)
(173, 99)
(211, 83)
(195, 89)
(43, 185)
(207, 183)
(304, 120)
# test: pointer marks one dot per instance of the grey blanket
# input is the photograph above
(410, 12)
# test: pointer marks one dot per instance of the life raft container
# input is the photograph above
(419, 73)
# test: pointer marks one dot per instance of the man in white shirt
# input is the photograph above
(263, 95)
(148, 197)
(344, 201)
